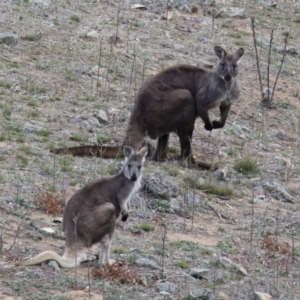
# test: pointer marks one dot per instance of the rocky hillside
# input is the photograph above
(69, 71)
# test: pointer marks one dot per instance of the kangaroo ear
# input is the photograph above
(220, 52)
(127, 150)
(239, 53)
(143, 151)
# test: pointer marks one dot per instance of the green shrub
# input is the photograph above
(246, 165)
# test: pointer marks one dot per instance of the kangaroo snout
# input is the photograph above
(227, 77)
(133, 177)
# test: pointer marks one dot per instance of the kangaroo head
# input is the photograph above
(228, 68)
(133, 162)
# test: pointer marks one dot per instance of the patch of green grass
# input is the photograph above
(5, 84)
(55, 98)
(32, 88)
(33, 114)
(44, 132)
(205, 251)
(226, 247)
(173, 150)
(182, 264)
(172, 170)
(240, 43)
(235, 35)
(2, 180)
(69, 76)
(147, 227)
(55, 22)
(246, 165)
(26, 149)
(32, 103)
(13, 65)
(177, 243)
(103, 139)
(6, 113)
(297, 250)
(20, 137)
(216, 189)
(30, 37)
(110, 168)
(297, 20)
(191, 181)
(23, 160)
(66, 163)
(90, 98)
(161, 205)
(75, 18)
(118, 250)
(76, 136)
(2, 137)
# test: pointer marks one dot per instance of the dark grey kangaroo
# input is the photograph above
(90, 214)
(172, 100)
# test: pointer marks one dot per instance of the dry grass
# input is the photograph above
(49, 202)
(117, 272)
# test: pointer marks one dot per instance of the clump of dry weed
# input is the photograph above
(50, 202)
(116, 272)
(272, 244)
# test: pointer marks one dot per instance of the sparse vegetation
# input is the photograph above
(182, 264)
(147, 227)
(216, 189)
(246, 165)
(48, 80)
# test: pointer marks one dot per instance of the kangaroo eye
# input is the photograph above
(129, 166)
(234, 66)
(223, 65)
(139, 167)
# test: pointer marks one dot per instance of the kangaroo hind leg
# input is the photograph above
(105, 250)
(161, 153)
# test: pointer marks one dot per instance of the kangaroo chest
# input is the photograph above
(130, 191)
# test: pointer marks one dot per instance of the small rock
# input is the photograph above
(148, 263)
(233, 12)
(166, 286)
(198, 273)
(211, 11)
(277, 190)
(262, 296)
(220, 174)
(54, 266)
(200, 294)
(263, 40)
(94, 34)
(160, 186)
(29, 127)
(48, 229)
(239, 268)
(8, 38)
(43, 2)
(182, 27)
(207, 2)
(292, 50)
(223, 296)
(102, 117)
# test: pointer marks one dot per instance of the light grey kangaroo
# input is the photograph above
(90, 215)
(171, 100)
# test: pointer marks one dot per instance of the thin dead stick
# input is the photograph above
(256, 53)
(268, 67)
(15, 239)
(281, 64)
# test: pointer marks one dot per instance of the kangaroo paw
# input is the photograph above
(209, 127)
(124, 218)
(216, 124)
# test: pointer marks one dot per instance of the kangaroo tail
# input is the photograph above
(46, 256)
